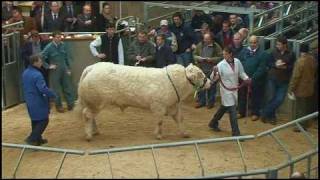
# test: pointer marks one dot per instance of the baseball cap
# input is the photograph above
(163, 22)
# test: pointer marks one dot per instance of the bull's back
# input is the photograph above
(108, 83)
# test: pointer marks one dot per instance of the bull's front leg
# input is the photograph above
(179, 120)
(159, 110)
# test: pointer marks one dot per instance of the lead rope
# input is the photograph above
(175, 89)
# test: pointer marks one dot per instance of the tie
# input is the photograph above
(70, 10)
(55, 17)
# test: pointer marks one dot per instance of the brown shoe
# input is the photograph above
(239, 116)
(60, 109)
(210, 106)
(198, 105)
(254, 118)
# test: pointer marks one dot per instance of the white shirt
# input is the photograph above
(230, 79)
(97, 42)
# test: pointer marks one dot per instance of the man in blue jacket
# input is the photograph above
(36, 94)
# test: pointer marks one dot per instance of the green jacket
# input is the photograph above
(214, 59)
(57, 55)
(255, 65)
(146, 50)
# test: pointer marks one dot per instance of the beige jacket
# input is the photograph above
(303, 78)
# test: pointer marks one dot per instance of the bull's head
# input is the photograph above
(197, 78)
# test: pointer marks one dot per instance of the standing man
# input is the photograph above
(253, 59)
(57, 61)
(184, 38)
(164, 55)
(106, 17)
(206, 55)
(53, 20)
(111, 46)
(237, 45)
(142, 51)
(228, 71)
(86, 21)
(36, 95)
(302, 83)
(280, 69)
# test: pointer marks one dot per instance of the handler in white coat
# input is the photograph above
(228, 72)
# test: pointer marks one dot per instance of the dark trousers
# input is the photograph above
(255, 99)
(38, 128)
(233, 118)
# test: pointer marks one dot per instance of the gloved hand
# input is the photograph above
(248, 81)
(291, 96)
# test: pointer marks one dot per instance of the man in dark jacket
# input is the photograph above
(280, 69)
(253, 59)
(53, 20)
(36, 94)
(141, 51)
(184, 38)
(164, 55)
(111, 49)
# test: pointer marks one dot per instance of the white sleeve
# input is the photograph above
(242, 73)
(120, 52)
(94, 44)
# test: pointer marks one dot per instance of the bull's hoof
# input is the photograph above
(96, 133)
(88, 138)
(159, 137)
(185, 135)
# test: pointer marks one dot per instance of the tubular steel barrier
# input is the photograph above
(50, 149)
(270, 172)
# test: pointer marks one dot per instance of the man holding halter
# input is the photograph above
(228, 72)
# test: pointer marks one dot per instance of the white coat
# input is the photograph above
(230, 79)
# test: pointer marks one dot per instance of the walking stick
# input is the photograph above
(247, 105)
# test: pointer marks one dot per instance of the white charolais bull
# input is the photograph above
(160, 90)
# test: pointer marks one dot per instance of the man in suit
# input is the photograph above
(36, 94)
(53, 20)
(6, 10)
(38, 10)
(70, 11)
(86, 21)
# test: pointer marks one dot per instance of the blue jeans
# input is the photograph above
(233, 118)
(202, 97)
(184, 58)
(38, 128)
(279, 90)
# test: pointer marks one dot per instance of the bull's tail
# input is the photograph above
(79, 109)
(79, 106)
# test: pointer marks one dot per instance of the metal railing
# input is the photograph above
(195, 143)
(270, 172)
(38, 148)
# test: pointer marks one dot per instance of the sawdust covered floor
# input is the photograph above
(136, 127)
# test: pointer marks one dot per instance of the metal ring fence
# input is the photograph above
(270, 172)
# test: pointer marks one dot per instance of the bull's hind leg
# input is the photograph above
(179, 120)
(95, 129)
(89, 123)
